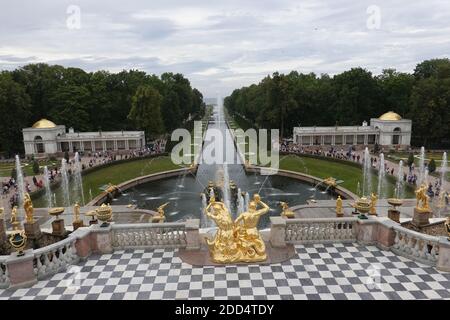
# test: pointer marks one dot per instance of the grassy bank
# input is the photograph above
(322, 168)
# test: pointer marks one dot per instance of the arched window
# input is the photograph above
(38, 145)
(396, 136)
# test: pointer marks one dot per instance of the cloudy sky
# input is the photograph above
(222, 45)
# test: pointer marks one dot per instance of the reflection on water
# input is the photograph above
(184, 191)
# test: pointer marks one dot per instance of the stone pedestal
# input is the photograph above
(20, 269)
(192, 234)
(386, 234)
(2, 231)
(394, 215)
(83, 245)
(421, 218)
(58, 228)
(32, 229)
(77, 224)
(278, 232)
(443, 262)
(366, 231)
(102, 239)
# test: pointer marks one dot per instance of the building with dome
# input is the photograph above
(46, 138)
(390, 130)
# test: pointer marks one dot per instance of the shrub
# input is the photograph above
(36, 169)
(410, 159)
(432, 166)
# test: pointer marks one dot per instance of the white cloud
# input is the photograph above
(223, 45)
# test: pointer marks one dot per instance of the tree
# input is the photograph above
(36, 168)
(15, 112)
(410, 160)
(146, 111)
(432, 166)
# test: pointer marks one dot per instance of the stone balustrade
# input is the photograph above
(416, 246)
(33, 265)
(149, 235)
(382, 232)
(4, 276)
(320, 230)
(54, 258)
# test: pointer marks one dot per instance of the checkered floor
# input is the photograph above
(334, 271)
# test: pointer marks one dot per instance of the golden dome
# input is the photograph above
(44, 124)
(390, 116)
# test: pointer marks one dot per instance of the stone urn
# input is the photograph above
(56, 212)
(104, 214)
(362, 205)
(18, 241)
(394, 213)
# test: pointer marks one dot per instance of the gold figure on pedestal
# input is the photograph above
(339, 211)
(373, 203)
(423, 200)
(14, 222)
(28, 207)
(161, 216)
(287, 212)
(76, 212)
(239, 240)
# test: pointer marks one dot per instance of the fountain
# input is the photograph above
(78, 181)
(400, 187)
(48, 191)
(420, 179)
(65, 183)
(367, 179)
(443, 171)
(20, 181)
(382, 183)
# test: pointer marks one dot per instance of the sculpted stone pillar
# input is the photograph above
(21, 270)
(192, 234)
(278, 232)
(443, 262)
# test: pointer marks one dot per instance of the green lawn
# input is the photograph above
(27, 167)
(93, 183)
(437, 156)
(351, 175)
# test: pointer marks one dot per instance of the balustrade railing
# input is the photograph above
(55, 257)
(149, 235)
(416, 246)
(320, 230)
(4, 277)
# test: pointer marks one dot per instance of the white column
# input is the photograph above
(70, 146)
(333, 140)
(127, 146)
(92, 145)
(104, 145)
(344, 137)
(366, 139)
(311, 140)
(115, 145)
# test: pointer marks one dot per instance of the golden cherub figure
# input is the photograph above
(339, 211)
(161, 216)
(28, 207)
(14, 222)
(422, 199)
(373, 203)
(76, 212)
(287, 212)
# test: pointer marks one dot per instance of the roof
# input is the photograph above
(390, 116)
(44, 124)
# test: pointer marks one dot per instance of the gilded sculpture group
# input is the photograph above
(238, 240)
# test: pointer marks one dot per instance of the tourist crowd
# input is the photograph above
(10, 188)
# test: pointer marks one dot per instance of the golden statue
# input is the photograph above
(423, 200)
(111, 188)
(287, 212)
(161, 216)
(373, 203)
(28, 207)
(239, 240)
(76, 212)
(14, 222)
(339, 211)
(330, 181)
(447, 226)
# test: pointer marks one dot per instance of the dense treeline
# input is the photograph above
(93, 101)
(286, 100)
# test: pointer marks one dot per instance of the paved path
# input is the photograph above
(330, 271)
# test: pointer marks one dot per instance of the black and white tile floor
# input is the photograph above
(330, 271)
